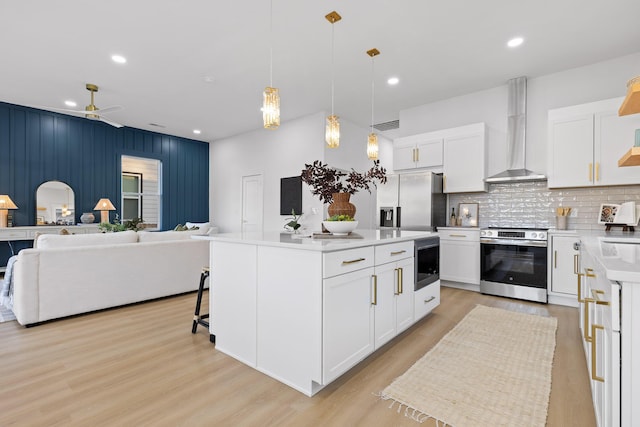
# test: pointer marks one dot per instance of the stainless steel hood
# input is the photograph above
(516, 136)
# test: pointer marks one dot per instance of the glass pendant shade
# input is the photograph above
(332, 133)
(372, 146)
(271, 108)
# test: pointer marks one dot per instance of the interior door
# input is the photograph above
(252, 203)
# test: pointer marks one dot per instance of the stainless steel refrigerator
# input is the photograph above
(412, 201)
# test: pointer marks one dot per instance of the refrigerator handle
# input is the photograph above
(398, 216)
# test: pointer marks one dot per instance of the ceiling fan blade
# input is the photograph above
(59, 110)
(109, 122)
(109, 109)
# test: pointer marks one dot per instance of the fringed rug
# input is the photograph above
(492, 369)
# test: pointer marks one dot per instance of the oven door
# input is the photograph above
(514, 263)
(427, 261)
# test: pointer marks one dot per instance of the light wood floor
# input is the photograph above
(141, 366)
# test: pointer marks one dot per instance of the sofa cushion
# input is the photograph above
(202, 226)
(47, 241)
(163, 236)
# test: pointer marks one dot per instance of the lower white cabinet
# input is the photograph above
(460, 255)
(348, 322)
(425, 300)
(564, 253)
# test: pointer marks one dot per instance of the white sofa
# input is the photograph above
(68, 275)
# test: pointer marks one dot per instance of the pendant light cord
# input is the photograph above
(271, 44)
(373, 88)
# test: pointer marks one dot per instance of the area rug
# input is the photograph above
(492, 369)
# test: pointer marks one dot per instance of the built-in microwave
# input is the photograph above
(427, 261)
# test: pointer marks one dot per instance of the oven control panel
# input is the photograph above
(524, 234)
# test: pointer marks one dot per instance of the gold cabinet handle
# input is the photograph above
(429, 300)
(597, 171)
(594, 352)
(590, 172)
(398, 252)
(353, 261)
(596, 296)
(444, 182)
(398, 281)
(375, 290)
(457, 235)
(589, 272)
(417, 154)
(401, 280)
(575, 263)
(580, 299)
(555, 259)
(585, 324)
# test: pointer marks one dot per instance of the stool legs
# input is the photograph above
(197, 318)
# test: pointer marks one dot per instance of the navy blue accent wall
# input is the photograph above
(38, 146)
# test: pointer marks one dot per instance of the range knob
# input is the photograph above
(543, 236)
(482, 233)
(534, 235)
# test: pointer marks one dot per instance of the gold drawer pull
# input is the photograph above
(589, 272)
(398, 252)
(398, 281)
(353, 261)
(585, 325)
(427, 301)
(580, 299)
(594, 352)
(457, 235)
(596, 296)
(575, 263)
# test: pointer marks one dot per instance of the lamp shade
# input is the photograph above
(6, 202)
(104, 205)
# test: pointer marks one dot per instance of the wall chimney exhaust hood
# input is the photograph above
(516, 136)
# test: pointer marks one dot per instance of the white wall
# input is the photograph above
(283, 153)
(594, 82)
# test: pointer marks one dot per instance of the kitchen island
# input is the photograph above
(609, 297)
(305, 310)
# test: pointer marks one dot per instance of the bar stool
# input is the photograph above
(198, 319)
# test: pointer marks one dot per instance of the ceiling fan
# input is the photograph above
(91, 111)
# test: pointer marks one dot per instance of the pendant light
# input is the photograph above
(332, 132)
(372, 141)
(271, 97)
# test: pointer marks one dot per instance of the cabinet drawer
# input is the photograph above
(341, 262)
(393, 252)
(459, 234)
(12, 235)
(426, 299)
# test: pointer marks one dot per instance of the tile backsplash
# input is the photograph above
(532, 204)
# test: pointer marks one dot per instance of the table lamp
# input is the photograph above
(5, 204)
(104, 206)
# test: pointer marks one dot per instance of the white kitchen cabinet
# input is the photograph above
(585, 142)
(417, 151)
(563, 253)
(464, 165)
(425, 300)
(460, 255)
(393, 291)
(348, 322)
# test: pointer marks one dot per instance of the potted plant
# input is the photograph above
(336, 187)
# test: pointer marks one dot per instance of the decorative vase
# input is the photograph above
(341, 205)
(87, 218)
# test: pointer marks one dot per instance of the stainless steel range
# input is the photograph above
(513, 263)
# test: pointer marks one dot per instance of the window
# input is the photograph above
(141, 191)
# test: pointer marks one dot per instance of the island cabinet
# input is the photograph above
(594, 137)
(305, 312)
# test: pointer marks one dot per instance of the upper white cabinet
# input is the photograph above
(417, 151)
(585, 143)
(459, 152)
(464, 165)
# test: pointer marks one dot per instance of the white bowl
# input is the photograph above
(340, 228)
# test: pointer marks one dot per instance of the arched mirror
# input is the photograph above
(55, 204)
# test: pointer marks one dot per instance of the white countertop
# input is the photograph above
(306, 242)
(618, 253)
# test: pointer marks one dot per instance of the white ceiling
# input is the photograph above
(49, 50)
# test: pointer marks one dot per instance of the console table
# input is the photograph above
(11, 234)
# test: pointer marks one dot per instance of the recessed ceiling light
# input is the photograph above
(209, 79)
(119, 59)
(70, 103)
(515, 42)
(197, 131)
(393, 81)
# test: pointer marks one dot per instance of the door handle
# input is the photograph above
(597, 171)
(594, 352)
(375, 289)
(590, 172)
(398, 252)
(353, 261)
(429, 300)
(555, 259)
